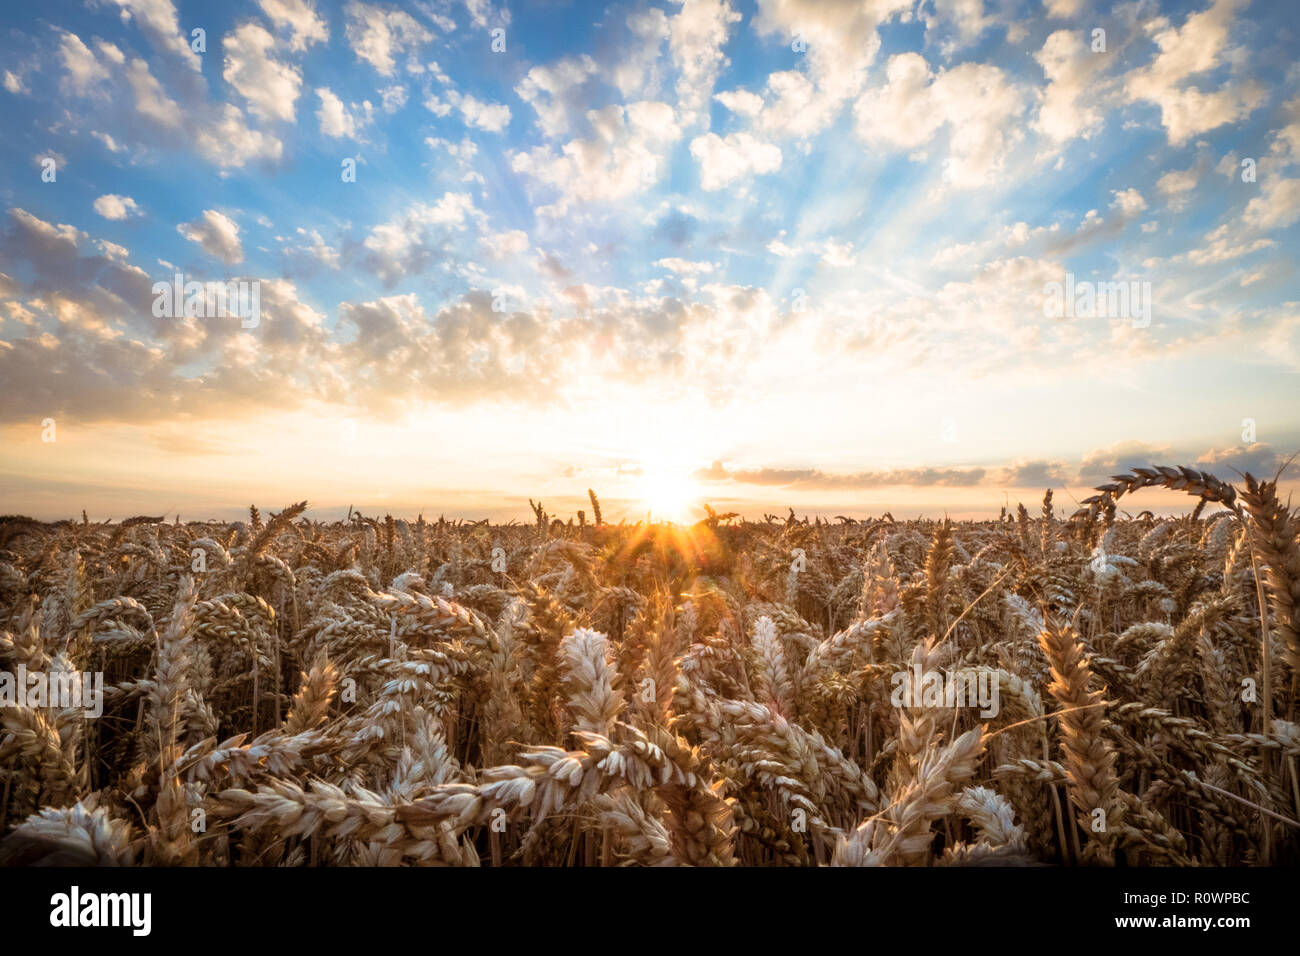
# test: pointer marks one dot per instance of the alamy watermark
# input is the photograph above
(920, 688)
(1098, 300)
(74, 908)
(241, 300)
(62, 690)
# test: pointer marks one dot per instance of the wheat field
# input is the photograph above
(377, 691)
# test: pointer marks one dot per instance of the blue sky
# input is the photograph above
(789, 252)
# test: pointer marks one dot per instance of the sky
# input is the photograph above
(792, 253)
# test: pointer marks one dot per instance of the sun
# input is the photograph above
(668, 494)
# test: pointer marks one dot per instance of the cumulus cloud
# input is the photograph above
(697, 33)
(493, 117)
(299, 16)
(1099, 465)
(1258, 459)
(378, 35)
(1276, 207)
(1176, 183)
(113, 206)
(232, 143)
(415, 238)
(977, 102)
(1070, 105)
(122, 94)
(1198, 47)
(840, 36)
(621, 158)
(558, 93)
(336, 120)
(269, 86)
(158, 20)
(216, 234)
(1034, 474)
(723, 160)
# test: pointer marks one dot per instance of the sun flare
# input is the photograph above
(669, 494)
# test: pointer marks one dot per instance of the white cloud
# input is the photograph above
(301, 18)
(493, 117)
(1224, 244)
(623, 156)
(393, 98)
(231, 144)
(1276, 207)
(1061, 9)
(697, 33)
(269, 86)
(1199, 46)
(408, 242)
(976, 100)
(336, 120)
(503, 245)
(113, 206)
(83, 70)
(635, 71)
(967, 15)
(1128, 201)
(216, 234)
(151, 101)
(684, 266)
(741, 102)
(316, 247)
(556, 93)
(724, 159)
(1177, 181)
(158, 20)
(840, 35)
(378, 36)
(1070, 105)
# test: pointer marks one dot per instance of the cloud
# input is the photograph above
(378, 36)
(977, 102)
(1128, 201)
(84, 71)
(49, 247)
(840, 36)
(621, 158)
(1276, 207)
(1198, 47)
(697, 33)
(813, 478)
(558, 93)
(1223, 244)
(217, 235)
(415, 238)
(305, 25)
(269, 86)
(1258, 459)
(1034, 474)
(1070, 106)
(1099, 465)
(158, 20)
(231, 143)
(493, 117)
(336, 120)
(723, 160)
(683, 267)
(1176, 183)
(113, 206)
(123, 95)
